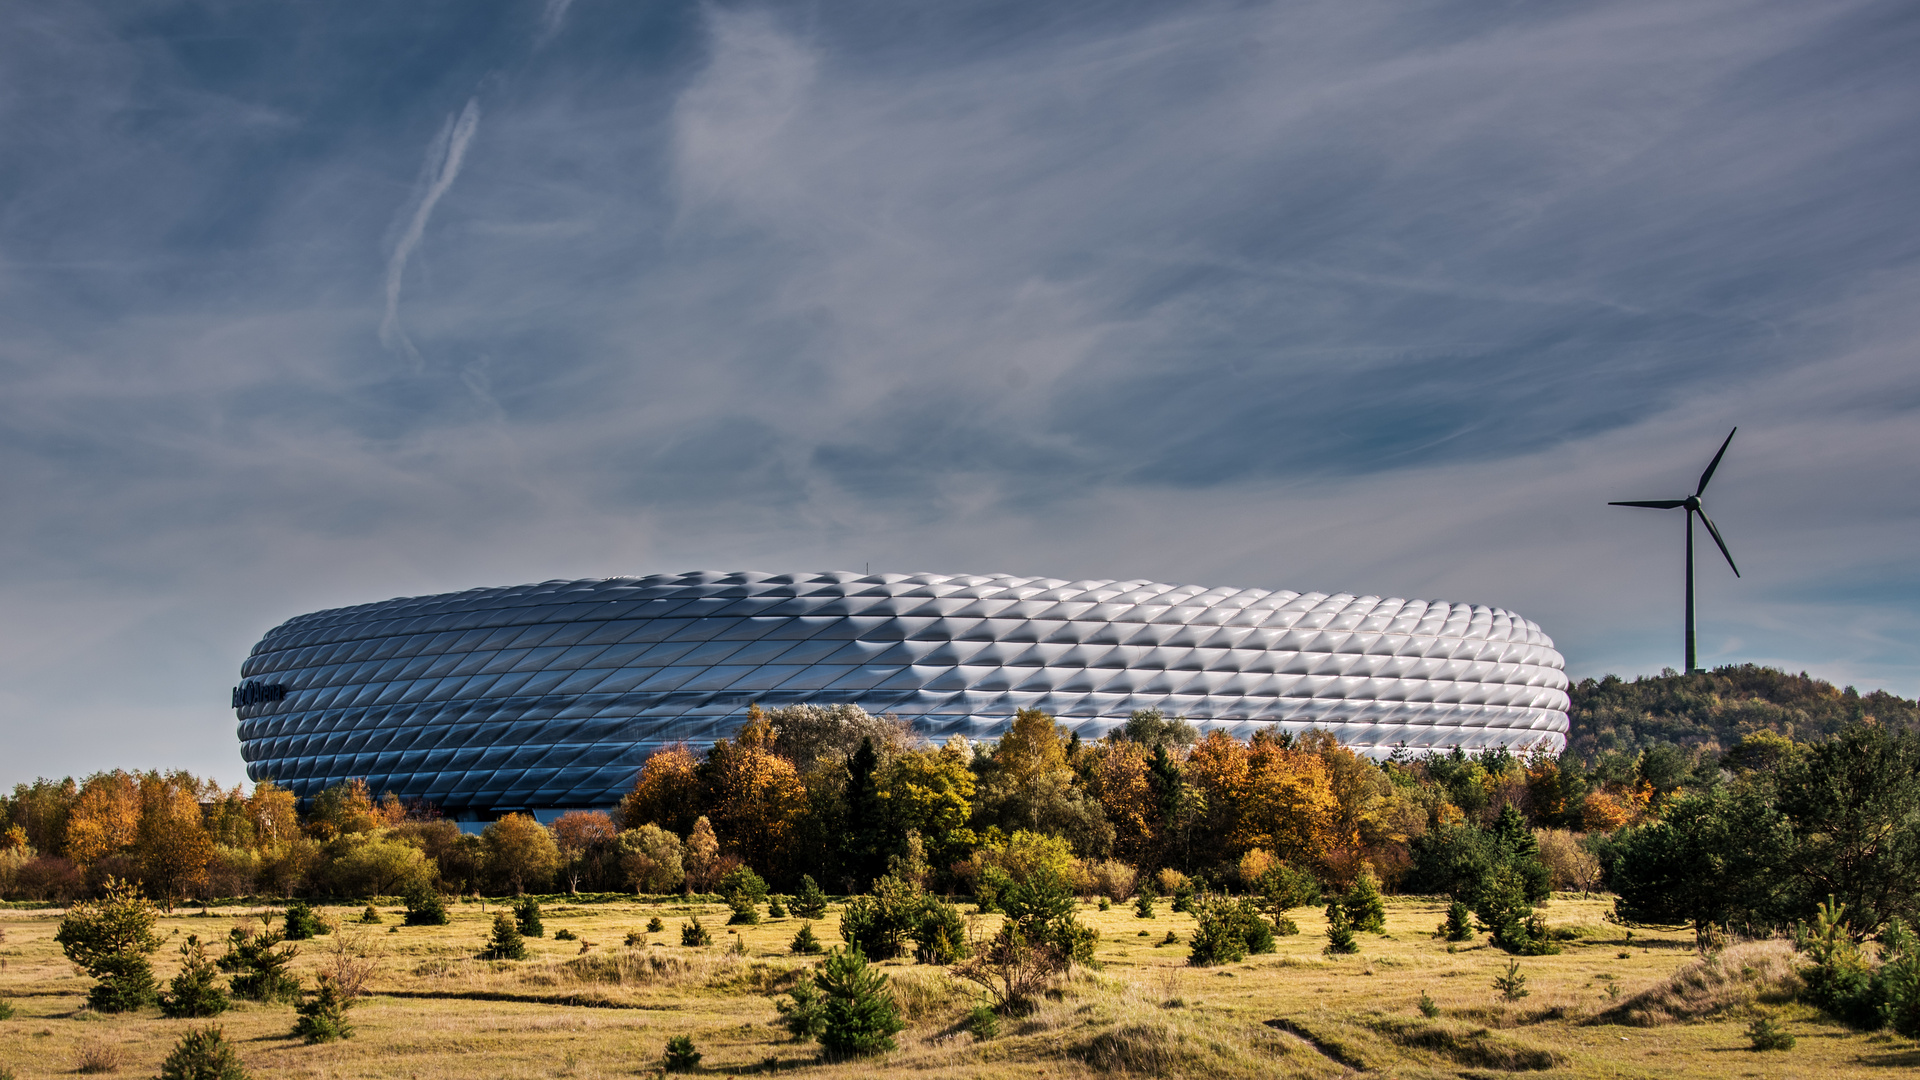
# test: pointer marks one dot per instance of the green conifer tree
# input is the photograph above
(507, 942)
(195, 991)
(860, 1015)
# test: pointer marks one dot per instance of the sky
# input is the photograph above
(311, 304)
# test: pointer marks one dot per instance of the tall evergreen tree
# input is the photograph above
(864, 853)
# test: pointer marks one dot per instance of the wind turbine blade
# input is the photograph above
(1657, 504)
(1708, 475)
(1708, 522)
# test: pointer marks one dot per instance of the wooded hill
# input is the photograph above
(1713, 710)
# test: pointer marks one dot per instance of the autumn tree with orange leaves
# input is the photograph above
(752, 795)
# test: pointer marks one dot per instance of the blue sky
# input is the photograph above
(315, 304)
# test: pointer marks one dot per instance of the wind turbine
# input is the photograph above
(1693, 506)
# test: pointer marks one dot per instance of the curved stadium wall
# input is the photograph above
(550, 696)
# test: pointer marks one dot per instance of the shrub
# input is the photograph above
(370, 916)
(426, 907)
(680, 1055)
(1113, 879)
(860, 1016)
(1766, 1033)
(507, 942)
(776, 906)
(1228, 930)
(323, 1015)
(258, 964)
(879, 923)
(693, 935)
(1041, 907)
(526, 912)
(744, 912)
(806, 942)
(812, 901)
(302, 922)
(1365, 907)
(1512, 985)
(1504, 911)
(939, 934)
(982, 1022)
(635, 937)
(1429, 1008)
(1283, 888)
(1459, 924)
(1839, 981)
(742, 881)
(111, 939)
(203, 1054)
(565, 935)
(1899, 979)
(655, 926)
(1013, 970)
(1285, 927)
(1339, 931)
(805, 1014)
(6, 1010)
(97, 1058)
(195, 991)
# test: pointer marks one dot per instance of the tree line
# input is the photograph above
(1754, 835)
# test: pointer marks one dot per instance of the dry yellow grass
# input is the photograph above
(440, 1014)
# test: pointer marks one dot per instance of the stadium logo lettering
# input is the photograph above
(257, 693)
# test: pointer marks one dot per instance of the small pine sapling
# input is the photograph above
(1766, 1033)
(776, 906)
(655, 926)
(693, 935)
(195, 991)
(1143, 904)
(1429, 1008)
(982, 1023)
(323, 1015)
(1459, 924)
(1340, 940)
(203, 1054)
(635, 937)
(527, 914)
(804, 1014)
(302, 923)
(426, 907)
(806, 942)
(1512, 985)
(258, 964)
(680, 1055)
(1366, 909)
(861, 1017)
(371, 915)
(812, 901)
(507, 942)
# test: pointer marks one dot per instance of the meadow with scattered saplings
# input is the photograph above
(823, 893)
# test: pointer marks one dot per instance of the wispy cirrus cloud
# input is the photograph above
(444, 159)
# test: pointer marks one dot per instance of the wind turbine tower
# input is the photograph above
(1693, 506)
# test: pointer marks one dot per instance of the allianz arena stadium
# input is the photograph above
(549, 697)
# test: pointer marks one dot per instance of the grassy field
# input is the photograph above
(1608, 1006)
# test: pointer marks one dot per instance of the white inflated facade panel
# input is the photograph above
(552, 695)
